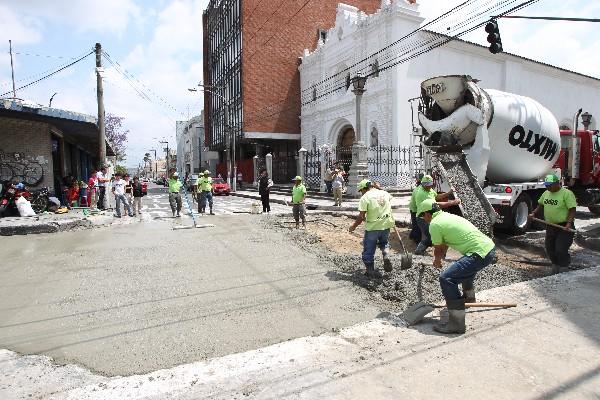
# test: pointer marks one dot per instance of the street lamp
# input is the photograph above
(50, 102)
(586, 118)
(229, 133)
(155, 165)
(358, 169)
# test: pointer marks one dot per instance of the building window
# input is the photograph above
(375, 69)
(348, 80)
(322, 35)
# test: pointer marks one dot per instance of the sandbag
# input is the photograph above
(24, 207)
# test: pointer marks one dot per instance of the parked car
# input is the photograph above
(221, 187)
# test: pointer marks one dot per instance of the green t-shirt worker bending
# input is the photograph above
(558, 204)
(174, 195)
(298, 197)
(478, 250)
(375, 209)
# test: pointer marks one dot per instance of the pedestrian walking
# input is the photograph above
(420, 193)
(478, 251)
(138, 193)
(206, 192)
(415, 231)
(175, 186)
(92, 189)
(558, 205)
(240, 178)
(375, 209)
(118, 190)
(264, 189)
(298, 199)
(128, 189)
(328, 179)
(102, 181)
(337, 185)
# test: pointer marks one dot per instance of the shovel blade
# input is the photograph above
(406, 262)
(415, 313)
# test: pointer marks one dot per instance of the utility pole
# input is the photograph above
(100, 96)
(12, 69)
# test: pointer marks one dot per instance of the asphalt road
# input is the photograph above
(139, 297)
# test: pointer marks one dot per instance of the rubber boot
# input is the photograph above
(420, 250)
(456, 318)
(387, 263)
(372, 273)
(211, 211)
(469, 292)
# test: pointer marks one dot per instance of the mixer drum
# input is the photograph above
(524, 139)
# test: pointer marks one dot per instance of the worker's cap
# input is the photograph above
(551, 179)
(427, 205)
(207, 172)
(297, 178)
(427, 180)
(365, 183)
(175, 173)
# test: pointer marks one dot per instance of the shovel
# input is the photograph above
(541, 221)
(415, 313)
(406, 258)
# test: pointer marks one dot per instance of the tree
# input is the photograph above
(116, 135)
(120, 169)
(147, 161)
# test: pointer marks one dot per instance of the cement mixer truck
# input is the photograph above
(509, 142)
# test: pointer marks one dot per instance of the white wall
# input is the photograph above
(385, 103)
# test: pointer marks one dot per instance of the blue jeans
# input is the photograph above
(371, 240)
(121, 198)
(425, 236)
(415, 232)
(205, 197)
(463, 270)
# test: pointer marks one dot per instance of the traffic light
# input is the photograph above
(493, 37)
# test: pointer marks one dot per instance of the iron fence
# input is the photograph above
(388, 165)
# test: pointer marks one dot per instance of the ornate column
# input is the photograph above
(359, 168)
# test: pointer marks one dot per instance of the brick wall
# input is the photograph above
(270, 51)
(32, 142)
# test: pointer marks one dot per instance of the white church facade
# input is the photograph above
(386, 116)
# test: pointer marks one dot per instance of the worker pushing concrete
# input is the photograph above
(298, 199)
(205, 190)
(376, 211)
(478, 250)
(174, 195)
(420, 193)
(559, 205)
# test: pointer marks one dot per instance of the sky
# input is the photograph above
(158, 43)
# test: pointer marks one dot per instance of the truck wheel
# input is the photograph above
(520, 212)
(595, 209)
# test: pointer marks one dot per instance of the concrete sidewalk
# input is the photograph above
(50, 222)
(546, 348)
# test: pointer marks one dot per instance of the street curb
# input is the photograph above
(44, 227)
(309, 206)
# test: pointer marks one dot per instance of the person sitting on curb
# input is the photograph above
(422, 192)
(298, 199)
(375, 209)
(174, 195)
(559, 205)
(478, 250)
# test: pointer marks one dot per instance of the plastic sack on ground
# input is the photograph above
(24, 207)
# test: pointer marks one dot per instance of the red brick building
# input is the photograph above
(251, 52)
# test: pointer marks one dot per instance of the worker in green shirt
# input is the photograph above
(298, 197)
(415, 231)
(478, 250)
(206, 191)
(558, 204)
(174, 195)
(420, 193)
(375, 209)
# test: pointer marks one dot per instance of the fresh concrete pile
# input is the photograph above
(420, 283)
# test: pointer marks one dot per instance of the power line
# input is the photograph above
(51, 74)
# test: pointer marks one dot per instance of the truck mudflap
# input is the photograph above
(475, 206)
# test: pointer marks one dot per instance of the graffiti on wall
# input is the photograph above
(16, 167)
